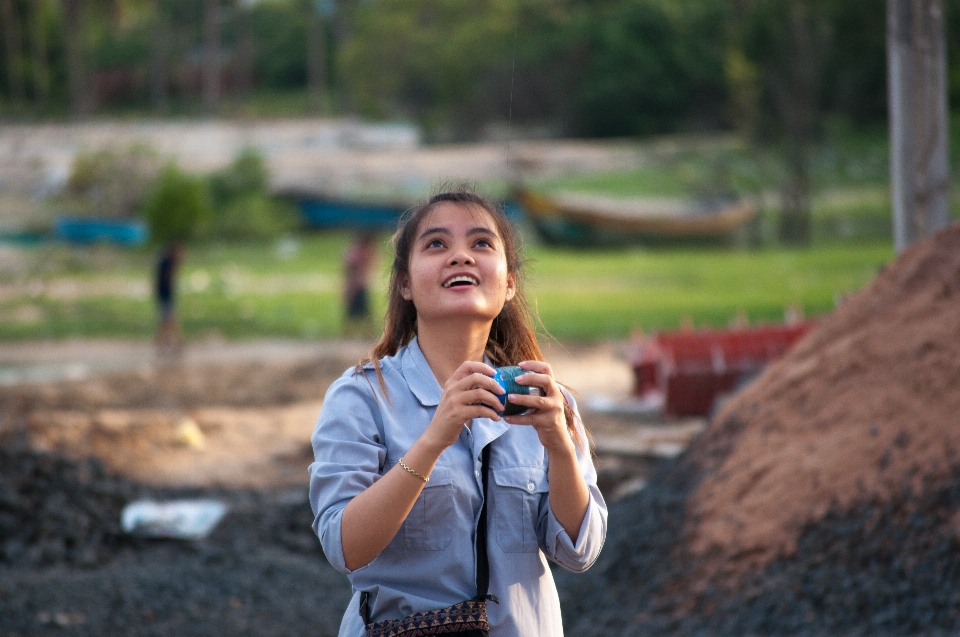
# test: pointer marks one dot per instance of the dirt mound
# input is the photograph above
(824, 497)
(864, 408)
(234, 425)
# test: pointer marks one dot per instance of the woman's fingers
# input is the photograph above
(469, 368)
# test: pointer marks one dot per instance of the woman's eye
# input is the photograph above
(436, 243)
(484, 243)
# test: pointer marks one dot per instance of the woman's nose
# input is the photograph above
(461, 257)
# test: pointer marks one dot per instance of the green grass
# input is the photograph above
(259, 291)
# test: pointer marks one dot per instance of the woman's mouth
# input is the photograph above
(460, 280)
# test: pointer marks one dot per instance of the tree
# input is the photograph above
(317, 30)
(76, 19)
(211, 55)
(39, 66)
(12, 36)
(920, 172)
(159, 56)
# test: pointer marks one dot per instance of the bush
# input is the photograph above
(247, 175)
(243, 208)
(179, 207)
(111, 183)
(254, 216)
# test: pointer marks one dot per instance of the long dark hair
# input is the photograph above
(512, 337)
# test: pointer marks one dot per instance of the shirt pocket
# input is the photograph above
(518, 496)
(429, 526)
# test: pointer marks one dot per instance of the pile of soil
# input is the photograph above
(823, 499)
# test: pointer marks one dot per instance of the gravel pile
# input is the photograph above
(66, 564)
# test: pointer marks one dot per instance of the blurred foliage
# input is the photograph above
(584, 67)
(179, 208)
(247, 175)
(111, 183)
(243, 208)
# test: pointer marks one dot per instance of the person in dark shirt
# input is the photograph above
(169, 340)
(359, 264)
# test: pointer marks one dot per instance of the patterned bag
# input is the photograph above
(468, 618)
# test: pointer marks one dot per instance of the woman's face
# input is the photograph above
(457, 266)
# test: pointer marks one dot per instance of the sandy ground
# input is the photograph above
(232, 415)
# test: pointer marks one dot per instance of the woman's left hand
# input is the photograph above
(547, 416)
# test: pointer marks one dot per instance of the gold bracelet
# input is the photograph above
(404, 466)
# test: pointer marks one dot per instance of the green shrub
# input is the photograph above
(243, 207)
(111, 183)
(179, 207)
(247, 175)
(254, 216)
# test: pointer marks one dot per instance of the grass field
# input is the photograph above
(292, 288)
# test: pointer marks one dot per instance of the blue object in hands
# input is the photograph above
(506, 377)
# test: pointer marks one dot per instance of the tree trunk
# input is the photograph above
(158, 58)
(40, 66)
(245, 61)
(14, 51)
(316, 60)
(211, 56)
(81, 93)
(919, 170)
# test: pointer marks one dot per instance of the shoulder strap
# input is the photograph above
(483, 565)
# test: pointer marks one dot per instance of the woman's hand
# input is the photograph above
(470, 393)
(569, 496)
(547, 416)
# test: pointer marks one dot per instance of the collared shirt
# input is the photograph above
(431, 562)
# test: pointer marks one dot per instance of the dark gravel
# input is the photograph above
(881, 568)
(67, 568)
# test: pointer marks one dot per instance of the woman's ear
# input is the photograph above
(511, 287)
(404, 283)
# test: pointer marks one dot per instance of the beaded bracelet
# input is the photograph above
(404, 466)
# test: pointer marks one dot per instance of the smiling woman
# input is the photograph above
(417, 467)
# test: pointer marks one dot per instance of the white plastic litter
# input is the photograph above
(179, 519)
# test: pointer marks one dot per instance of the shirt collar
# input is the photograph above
(419, 376)
(424, 385)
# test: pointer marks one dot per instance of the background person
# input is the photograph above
(169, 339)
(359, 262)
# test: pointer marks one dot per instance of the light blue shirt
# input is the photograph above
(431, 562)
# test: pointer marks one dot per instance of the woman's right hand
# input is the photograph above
(471, 392)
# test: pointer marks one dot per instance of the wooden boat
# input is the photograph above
(584, 219)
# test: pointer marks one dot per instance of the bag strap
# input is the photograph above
(483, 563)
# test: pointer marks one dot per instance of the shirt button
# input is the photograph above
(531, 486)
(478, 474)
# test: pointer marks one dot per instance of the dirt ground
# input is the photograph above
(86, 427)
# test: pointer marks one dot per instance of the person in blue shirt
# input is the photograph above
(396, 485)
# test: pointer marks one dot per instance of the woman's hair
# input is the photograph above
(512, 336)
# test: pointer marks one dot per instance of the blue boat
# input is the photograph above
(332, 213)
(323, 213)
(86, 231)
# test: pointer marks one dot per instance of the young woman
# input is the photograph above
(397, 486)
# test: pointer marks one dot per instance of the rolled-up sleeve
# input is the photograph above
(349, 454)
(556, 542)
